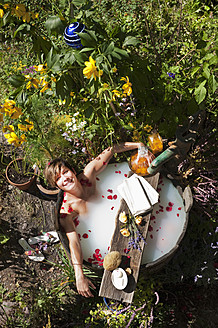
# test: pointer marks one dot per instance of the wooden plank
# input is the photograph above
(132, 259)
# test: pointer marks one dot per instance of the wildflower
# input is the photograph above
(9, 128)
(19, 10)
(41, 68)
(26, 17)
(1, 13)
(32, 82)
(138, 219)
(90, 69)
(123, 217)
(114, 70)
(6, 6)
(72, 94)
(12, 138)
(171, 75)
(13, 112)
(45, 85)
(147, 128)
(61, 102)
(29, 126)
(127, 87)
(125, 232)
(22, 127)
(116, 93)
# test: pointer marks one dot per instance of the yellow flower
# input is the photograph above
(123, 217)
(127, 87)
(34, 15)
(116, 93)
(13, 112)
(41, 68)
(1, 13)
(19, 10)
(9, 104)
(125, 232)
(90, 69)
(22, 127)
(33, 82)
(12, 138)
(29, 126)
(148, 128)
(61, 102)
(45, 85)
(114, 69)
(9, 128)
(26, 17)
(6, 6)
(138, 219)
(72, 94)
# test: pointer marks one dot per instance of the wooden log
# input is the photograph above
(131, 260)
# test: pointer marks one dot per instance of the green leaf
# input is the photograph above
(109, 49)
(88, 38)
(194, 70)
(86, 49)
(54, 23)
(121, 52)
(21, 28)
(130, 41)
(78, 3)
(200, 92)
(16, 80)
(212, 84)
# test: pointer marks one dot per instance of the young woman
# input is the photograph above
(78, 191)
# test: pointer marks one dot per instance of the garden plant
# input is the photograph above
(138, 66)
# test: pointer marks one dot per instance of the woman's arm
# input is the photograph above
(82, 283)
(100, 162)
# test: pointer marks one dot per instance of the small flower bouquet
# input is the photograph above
(130, 228)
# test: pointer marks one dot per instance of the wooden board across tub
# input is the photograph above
(131, 260)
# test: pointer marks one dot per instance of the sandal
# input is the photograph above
(34, 255)
(48, 237)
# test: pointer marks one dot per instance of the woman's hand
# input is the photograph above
(83, 284)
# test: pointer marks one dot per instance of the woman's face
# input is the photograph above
(66, 179)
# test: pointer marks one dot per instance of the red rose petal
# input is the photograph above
(97, 179)
(114, 196)
(169, 209)
(153, 217)
(76, 221)
(170, 204)
(110, 190)
(119, 172)
(116, 171)
(150, 228)
(70, 210)
(85, 235)
(104, 163)
(158, 189)
(125, 175)
(179, 208)
(64, 201)
(102, 196)
(157, 212)
(89, 230)
(62, 208)
(109, 197)
(112, 207)
(151, 236)
(177, 214)
(97, 251)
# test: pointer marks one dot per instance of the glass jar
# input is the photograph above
(141, 160)
(155, 142)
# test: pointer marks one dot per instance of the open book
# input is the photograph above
(139, 195)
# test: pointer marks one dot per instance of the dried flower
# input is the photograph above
(125, 232)
(123, 217)
(138, 219)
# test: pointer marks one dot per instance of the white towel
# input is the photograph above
(139, 195)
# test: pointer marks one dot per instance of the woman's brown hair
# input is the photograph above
(53, 169)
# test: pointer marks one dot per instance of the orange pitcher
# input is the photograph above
(155, 142)
(140, 161)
